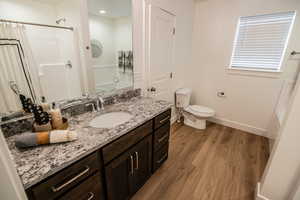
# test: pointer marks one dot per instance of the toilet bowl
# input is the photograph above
(194, 115)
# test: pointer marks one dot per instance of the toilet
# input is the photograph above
(194, 115)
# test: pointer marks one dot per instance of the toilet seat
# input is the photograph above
(200, 111)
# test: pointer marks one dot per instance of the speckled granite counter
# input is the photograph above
(36, 164)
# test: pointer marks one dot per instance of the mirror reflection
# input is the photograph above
(42, 59)
(110, 26)
(37, 62)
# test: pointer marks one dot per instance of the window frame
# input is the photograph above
(252, 70)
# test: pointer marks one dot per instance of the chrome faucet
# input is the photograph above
(93, 106)
(100, 103)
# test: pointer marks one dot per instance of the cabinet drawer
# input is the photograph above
(162, 119)
(67, 178)
(160, 157)
(161, 136)
(117, 147)
(90, 189)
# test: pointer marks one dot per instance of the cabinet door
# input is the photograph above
(119, 175)
(127, 174)
(142, 153)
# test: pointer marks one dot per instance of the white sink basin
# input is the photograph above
(110, 120)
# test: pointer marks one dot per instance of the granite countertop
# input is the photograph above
(38, 163)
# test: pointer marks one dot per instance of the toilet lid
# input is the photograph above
(200, 110)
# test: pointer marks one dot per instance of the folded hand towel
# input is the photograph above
(35, 139)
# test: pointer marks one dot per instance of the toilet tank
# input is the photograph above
(183, 97)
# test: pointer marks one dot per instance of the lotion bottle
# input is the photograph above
(56, 116)
(45, 105)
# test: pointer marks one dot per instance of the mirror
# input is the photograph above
(37, 62)
(97, 49)
(44, 59)
(110, 27)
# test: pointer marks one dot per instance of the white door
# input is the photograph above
(160, 58)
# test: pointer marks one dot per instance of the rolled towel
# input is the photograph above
(36, 139)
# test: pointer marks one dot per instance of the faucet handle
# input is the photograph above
(93, 106)
(101, 103)
(86, 95)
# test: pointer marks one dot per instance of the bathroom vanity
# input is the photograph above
(112, 163)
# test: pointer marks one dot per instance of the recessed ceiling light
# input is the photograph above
(102, 11)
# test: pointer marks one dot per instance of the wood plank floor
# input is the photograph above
(219, 163)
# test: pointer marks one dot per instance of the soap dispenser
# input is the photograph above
(45, 105)
(56, 116)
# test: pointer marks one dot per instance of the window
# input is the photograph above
(261, 41)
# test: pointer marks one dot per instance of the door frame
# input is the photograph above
(148, 12)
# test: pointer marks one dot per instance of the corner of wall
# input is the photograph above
(258, 195)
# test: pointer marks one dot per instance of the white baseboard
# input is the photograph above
(173, 119)
(258, 196)
(173, 115)
(240, 126)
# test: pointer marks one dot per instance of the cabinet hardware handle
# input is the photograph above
(91, 196)
(56, 189)
(162, 159)
(131, 164)
(137, 160)
(164, 120)
(163, 138)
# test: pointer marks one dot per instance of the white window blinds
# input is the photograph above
(261, 41)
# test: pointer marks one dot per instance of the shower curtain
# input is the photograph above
(16, 65)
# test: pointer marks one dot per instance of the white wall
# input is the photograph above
(27, 11)
(41, 39)
(250, 97)
(102, 29)
(296, 193)
(281, 177)
(123, 33)
(184, 11)
(11, 186)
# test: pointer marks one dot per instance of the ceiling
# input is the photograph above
(49, 1)
(113, 8)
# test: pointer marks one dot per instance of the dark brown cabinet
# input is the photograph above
(127, 174)
(161, 137)
(91, 189)
(142, 153)
(162, 119)
(60, 183)
(116, 171)
(160, 157)
(120, 145)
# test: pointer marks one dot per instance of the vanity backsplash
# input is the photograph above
(20, 125)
